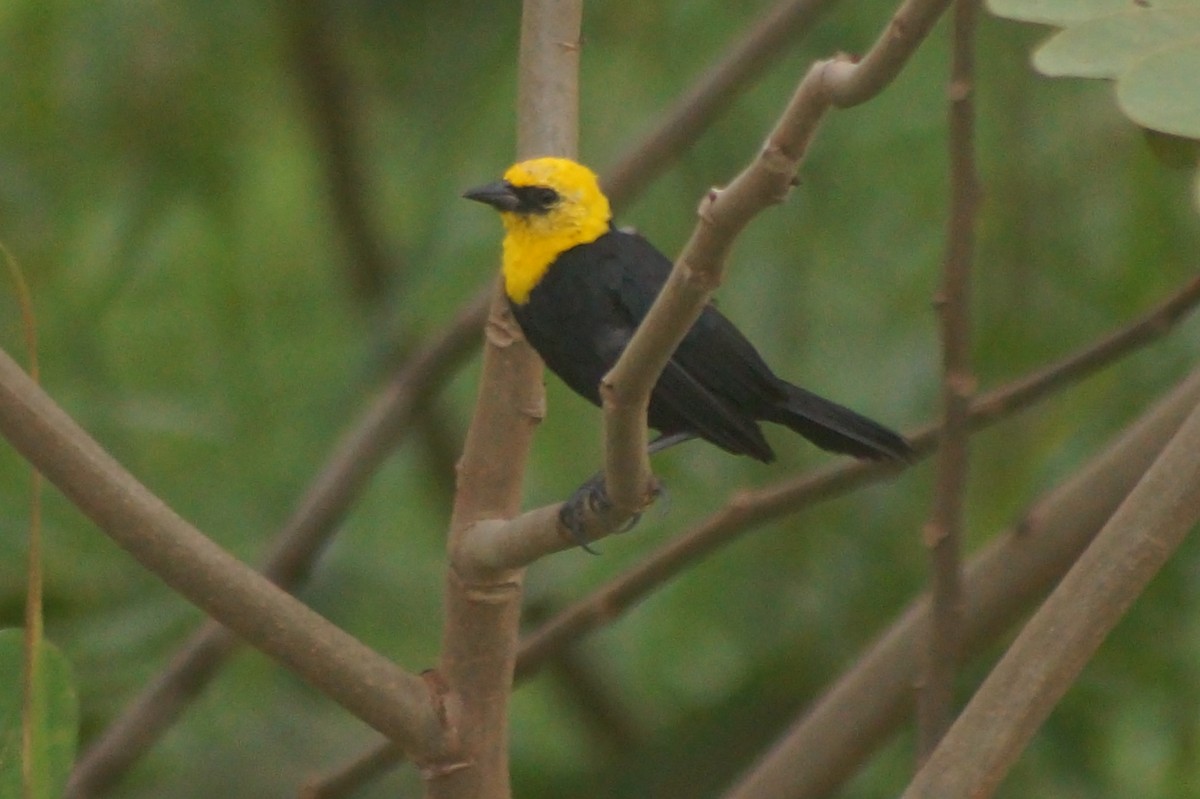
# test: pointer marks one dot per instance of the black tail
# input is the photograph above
(838, 429)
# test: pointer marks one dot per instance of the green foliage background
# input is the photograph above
(160, 183)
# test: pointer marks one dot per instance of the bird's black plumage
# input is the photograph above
(582, 313)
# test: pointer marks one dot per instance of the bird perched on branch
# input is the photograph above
(579, 287)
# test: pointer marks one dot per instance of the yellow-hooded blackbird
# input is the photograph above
(579, 287)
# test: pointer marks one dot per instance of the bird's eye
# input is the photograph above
(535, 199)
(544, 196)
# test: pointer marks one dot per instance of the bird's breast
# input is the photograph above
(526, 261)
(532, 246)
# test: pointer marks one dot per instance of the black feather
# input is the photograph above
(582, 313)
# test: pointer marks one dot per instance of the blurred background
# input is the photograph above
(169, 183)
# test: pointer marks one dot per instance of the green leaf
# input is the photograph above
(57, 719)
(1106, 47)
(1161, 91)
(1151, 48)
(1060, 13)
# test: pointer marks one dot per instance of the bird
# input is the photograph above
(578, 287)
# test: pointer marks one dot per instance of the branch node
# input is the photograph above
(491, 593)
(431, 771)
(501, 329)
(440, 699)
(962, 384)
(535, 410)
(958, 90)
(704, 210)
(778, 162)
(932, 534)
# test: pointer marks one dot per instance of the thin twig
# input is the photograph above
(852, 81)
(33, 684)
(1066, 631)
(348, 779)
(693, 112)
(943, 532)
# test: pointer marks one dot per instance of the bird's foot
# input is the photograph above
(589, 500)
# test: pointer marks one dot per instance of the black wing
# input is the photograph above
(584, 311)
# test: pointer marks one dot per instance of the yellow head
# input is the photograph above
(548, 205)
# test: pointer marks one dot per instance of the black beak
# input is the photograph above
(499, 195)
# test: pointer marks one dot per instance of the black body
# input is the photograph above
(583, 312)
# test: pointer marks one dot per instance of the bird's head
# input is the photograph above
(549, 197)
(548, 206)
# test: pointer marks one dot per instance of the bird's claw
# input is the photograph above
(589, 500)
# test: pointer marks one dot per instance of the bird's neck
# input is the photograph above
(531, 245)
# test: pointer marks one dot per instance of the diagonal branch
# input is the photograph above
(359, 454)
(723, 213)
(393, 701)
(779, 28)
(751, 509)
(304, 535)
(1066, 631)
(874, 698)
(852, 81)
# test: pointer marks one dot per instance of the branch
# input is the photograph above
(625, 390)
(851, 81)
(329, 96)
(1066, 631)
(393, 701)
(751, 509)
(483, 604)
(355, 458)
(943, 533)
(779, 28)
(873, 699)
(359, 454)
(351, 777)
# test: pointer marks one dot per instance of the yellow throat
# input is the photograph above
(533, 241)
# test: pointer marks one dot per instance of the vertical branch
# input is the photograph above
(479, 644)
(943, 533)
(33, 683)
(328, 93)
(548, 75)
